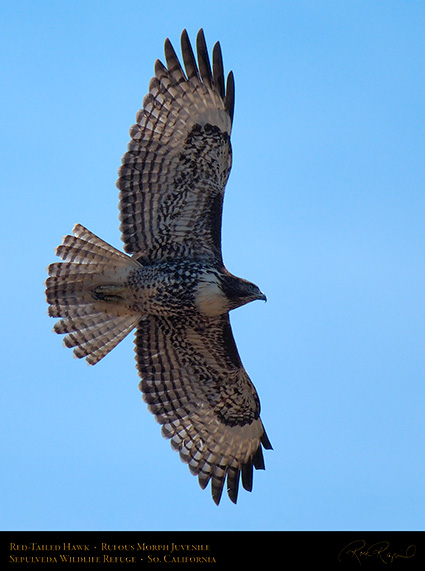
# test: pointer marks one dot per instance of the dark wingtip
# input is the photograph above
(218, 71)
(247, 477)
(173, 62)
(203, 59)
(217, 491)
(188, 56)
(266, 442)
(229, 101)
(201, 69)
(233, 484)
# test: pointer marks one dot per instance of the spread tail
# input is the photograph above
(84, 290)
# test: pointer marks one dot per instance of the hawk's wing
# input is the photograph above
(195, 384)
(173, 175)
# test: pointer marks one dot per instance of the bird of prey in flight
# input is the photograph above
(171, 285)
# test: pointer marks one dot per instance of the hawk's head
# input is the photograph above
(239, 291)
(219, 292)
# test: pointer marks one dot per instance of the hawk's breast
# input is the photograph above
(175, 287)
(210, 299)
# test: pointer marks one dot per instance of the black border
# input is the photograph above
(212, 550)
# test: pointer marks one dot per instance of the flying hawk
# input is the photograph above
(174, 288)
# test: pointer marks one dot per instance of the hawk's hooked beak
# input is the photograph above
(262, 296)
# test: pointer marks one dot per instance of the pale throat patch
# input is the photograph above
(209, 297)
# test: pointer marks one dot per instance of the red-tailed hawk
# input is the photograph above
(174, 289)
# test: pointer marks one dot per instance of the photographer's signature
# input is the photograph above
(381, 551)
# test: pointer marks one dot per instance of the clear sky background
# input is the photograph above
(325, 211)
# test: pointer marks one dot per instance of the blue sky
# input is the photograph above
(324, 211)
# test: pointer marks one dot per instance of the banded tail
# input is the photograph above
(84, 291)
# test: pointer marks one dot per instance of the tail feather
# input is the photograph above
(94, 323)
(94, 344)
(70, 270)
(73, 251)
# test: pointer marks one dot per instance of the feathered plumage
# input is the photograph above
(174, 288)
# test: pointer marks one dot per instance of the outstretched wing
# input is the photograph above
(174, 172)
(194, 382)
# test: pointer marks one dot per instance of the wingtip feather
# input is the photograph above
(203, 59)
(188, 56)
(229, 101)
